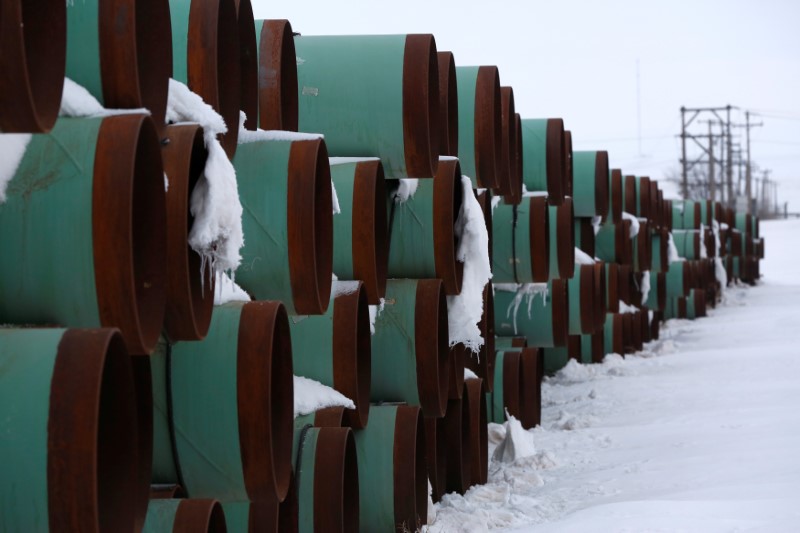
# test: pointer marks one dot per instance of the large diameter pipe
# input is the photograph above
(615, 196)
(612, 276)
(248, 63)
(637, 196)
(521, 242)
(599, 295)
(392, 473)
(678, 279)
(190, 290)
(687, 242)
(613, 242)
(458, 436)
(143, 385)
(206, 57)
(505, 395)
(410, 354)
(277, 76)
(515, 198)
(483, 364)
(686, 215)
(262, 516)
(231, 396)
(119, 50)
(642, 251)
(581, 300)
(485, 200)
(584, 235)
(480, 136)
(288, 233)
(568, 172)
(335, 348)
(178, 516)
(562, 239)
(590, 183)
(106, 267)
(448, 105)
(545, 326)
(33, 38)
(696, 304)
(375, 95)
(458, 359)
(531, 374)
(508, 159)
(478, 422)
(68, 417)
(422, 239)
(657, 297)
(659, 259)
(436, 456)
(543, 165)
(613, 333)
(360, 238)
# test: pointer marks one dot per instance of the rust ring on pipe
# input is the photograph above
(568, 177)
(681, 307)
(213, 62)
(277, 77)
(484, 198)
(625, 283)
(248, 63)
(636, 331)
(167, 492)
(511, 383)
(586, 243)
(476, 391)
(93, 478)
(287, 511)
(663, 251)
(421, 105)
(644, 246)
(698, 216)
(667, 214)
(190, 297)
(369, 233)
(644, 198)
(655, 204)
(333, 417)
(556, 165)
(136, 55)
(352, 353)
(574, 347)
(265, 399)
(644, 324)
(143, 385)
(483, 364)
(560, 312)
(410, 470)
(696, 244)
(431, 342)
(531, 374)
(336, 481)
(33, 38)
(661, 290)
(598, 346)
(488, 128)
(699, 303)
(627, 334)
(613, 290)
(515, 197)
(539, 245)
(599, 296)
(436, 456)
(616, 194)
(601, 185)
(448, 105)
(507, 160)
(200, 515)
(457, 361)
(618, 332)
(629, 195)
(128, 230)
(621, 241)
(310, 226)
(587, 297)
(447, 199)
(459, 450)
(687, 277)
(565, 231)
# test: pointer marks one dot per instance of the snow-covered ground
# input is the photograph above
(700, 432)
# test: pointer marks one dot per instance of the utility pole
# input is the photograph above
(712, 189)
(748, 188)
(689, 116)
(684, 168)
(731, 200)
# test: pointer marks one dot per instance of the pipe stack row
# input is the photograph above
(131, 401)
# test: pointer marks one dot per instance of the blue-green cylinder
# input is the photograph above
(590, 177)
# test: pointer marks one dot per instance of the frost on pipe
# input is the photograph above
(206, 57)
(288, 226)
(448, 105)
(33, 40)
(508, 154)
(190, 290)
(277, 76)
(590, 183)
(478, 422)
(68, 406)
(107, 266)
(544, 162)
(373, 95)
(195, 514)
(335, 348)
(360, 250)
(480, 137)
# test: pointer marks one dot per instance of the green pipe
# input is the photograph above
(658, 260)
(590, 177)
(360, 238)
(612, 241)
(677, 284)
(201, 515)
(508, 343)
(161, 515)
(479, 124)
(410, 346)
(671, 308)
(505, 394)
(642, 188)
(687, 218)
(581, 300)
(555, 359)
(587, 349)
(561, 240)
(92, 173)
(544, 325)
(652, 296)
(613, 334)
(746, 223)
(353, 89)
(288, 225)
(520, 242)
(707, 212)
(277, 75)
(612, 286)
(686, 243)
(535, 156)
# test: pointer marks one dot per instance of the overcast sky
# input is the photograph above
(578, 60)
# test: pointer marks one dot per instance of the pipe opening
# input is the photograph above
(601, 185)
(436, 450)
(566, 238)
(457, 357)
(539, 229)
(488, 127)
(508, 160)
(277, 77)
(448, 105)
(352, 352)
(248, 63)
(410, 469)
(556, 165)
(432, 346)
(421, 112)
(448, 198)
(370, 247)
(560, 311)
(616, 192)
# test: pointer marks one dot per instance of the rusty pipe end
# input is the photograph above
(352, 353)
(540, 239)
(568, 174)
(483, 364)
(616, 192)
(436, 456)
(421, 113)
(488, 127)
(265, 399)
(128, 230)
(248, 63)
(336, 505)
(565, 230)
(448, 105)
(431, 340)
(448, 195)
(310, 226)
(531, 373)
(507, 157)
(476, 391)
(143, 385)
(190, 292)
(410, 469)
(484, 198)
(601, 185)
(587, 296)
(457, 361)
(661, 291)
(511, 383)
(33, 38)
(598, 346)
(560, 300)
(556, 163)
(599, 295)
(277, 77)
(201, 515)
(457, 437)
(629, 195)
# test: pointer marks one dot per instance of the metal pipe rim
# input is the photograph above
(432, 346)
(448, 104)
(565, 231)
(568, 173)
(488, 127)
(248, 63)
(616, 194)
(410, 468)
(539, 246)
(421, 112)
(601, 185)
(278, 107)
(201, 515)
(352, 353)
(556, 166)
(336, 505)
(507, 165)
(447, 200)
(560, 310)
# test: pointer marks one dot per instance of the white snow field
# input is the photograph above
(700, 432)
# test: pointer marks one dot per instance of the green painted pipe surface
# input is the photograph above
(534, 154)
(582, 282)
(652, 296)
(688, 217)
(304, 477)
(587, 200)
(692, 311)
(671, 308)
(496, 400)
(612, 332)
(606, 243)
(179, 515)
(656, 257)
(555, 359)
(83, 46)
(707, 212)
(561, 240)
(466, 81)
(161, 515)
(584, 235)
(587, 350)
(533, 317)
(517, 255)
(676, 285)
(506, 343)
(684, 242)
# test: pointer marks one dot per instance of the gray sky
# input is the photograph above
(578, 60)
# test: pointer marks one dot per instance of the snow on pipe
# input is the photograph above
(542, 323)
(599, 295)
(505, 394)
(190, 288)
(521, 242)
(482, 365)
(288, 225)
(581, 301)
(543, 153)
(231, 395)
(119, 50)
(584, 235)
(69, 420)
(410, 353)
(480, 123)
(475, 393)
(613, 334)
(458, 437)
(531, 375)
(436, 452)
(335, 348)
(422, 239)
(613, 242)
(106, 265)
(448, 105)
(615, 196)
(143, 385)
(458, 357)
(277, 76)
(569, 170)
(248, 63)
(206, 57)
(392, 472)
(642, 251)
(508, 156)
(687, 242)
(195, 514)
(562, 239)
(33, 40)
(590, 183)
(345, 82)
